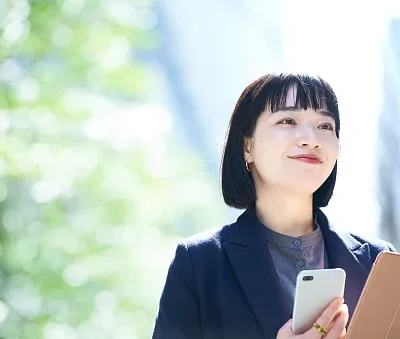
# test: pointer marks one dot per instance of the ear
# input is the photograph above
(247, 147)
(340, 148)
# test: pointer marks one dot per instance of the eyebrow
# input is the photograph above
(293, 108)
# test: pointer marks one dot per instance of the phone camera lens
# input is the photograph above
(308, 278)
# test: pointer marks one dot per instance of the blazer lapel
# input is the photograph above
(252, 263)
(347, 253)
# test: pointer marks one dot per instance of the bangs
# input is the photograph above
(311, 92)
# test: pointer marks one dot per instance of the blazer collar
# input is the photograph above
(252, 263)
(345, 252)
(248, 253)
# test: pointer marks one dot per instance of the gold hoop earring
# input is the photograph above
(248, 166)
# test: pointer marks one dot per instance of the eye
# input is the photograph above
(326, 126)
(287, 121)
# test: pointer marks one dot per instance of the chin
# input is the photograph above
(305, 186)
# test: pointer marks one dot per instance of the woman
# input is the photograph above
(280, 164)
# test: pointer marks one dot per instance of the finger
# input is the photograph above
(343, 308)
(326, 317)
(330, 312)
(286, 330)
(343, 334)
(288, 325)
(346, 320)
(339, 325)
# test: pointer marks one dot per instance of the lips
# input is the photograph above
(308, 158)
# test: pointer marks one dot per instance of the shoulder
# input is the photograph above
(199, 252)
(192, 251)
(378, 244)
(211, 239)
(375, 245)
(356, 240)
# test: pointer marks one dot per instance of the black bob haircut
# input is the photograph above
(269, 93)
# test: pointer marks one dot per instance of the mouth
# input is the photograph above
(308, 158)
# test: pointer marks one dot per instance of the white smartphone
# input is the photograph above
(315, 290)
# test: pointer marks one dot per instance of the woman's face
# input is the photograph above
(283, 142)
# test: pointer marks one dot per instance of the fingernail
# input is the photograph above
(340, 300)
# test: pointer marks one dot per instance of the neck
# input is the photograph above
(285, 212)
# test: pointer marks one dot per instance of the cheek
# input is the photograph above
(272, 137)
(267, 155)
(331, 147)
(334, 151)
(269, 146)
(332, 156)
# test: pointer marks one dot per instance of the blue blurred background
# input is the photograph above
(112, 118)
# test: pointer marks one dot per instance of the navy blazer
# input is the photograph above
(223, 284)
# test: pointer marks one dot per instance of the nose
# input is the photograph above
(308, 138)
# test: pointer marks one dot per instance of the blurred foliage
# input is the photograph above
(95, 189)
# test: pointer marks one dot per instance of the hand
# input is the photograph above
(334, 319)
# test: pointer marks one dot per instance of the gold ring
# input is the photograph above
(320, 329)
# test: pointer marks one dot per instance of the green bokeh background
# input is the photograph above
(95, 186)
